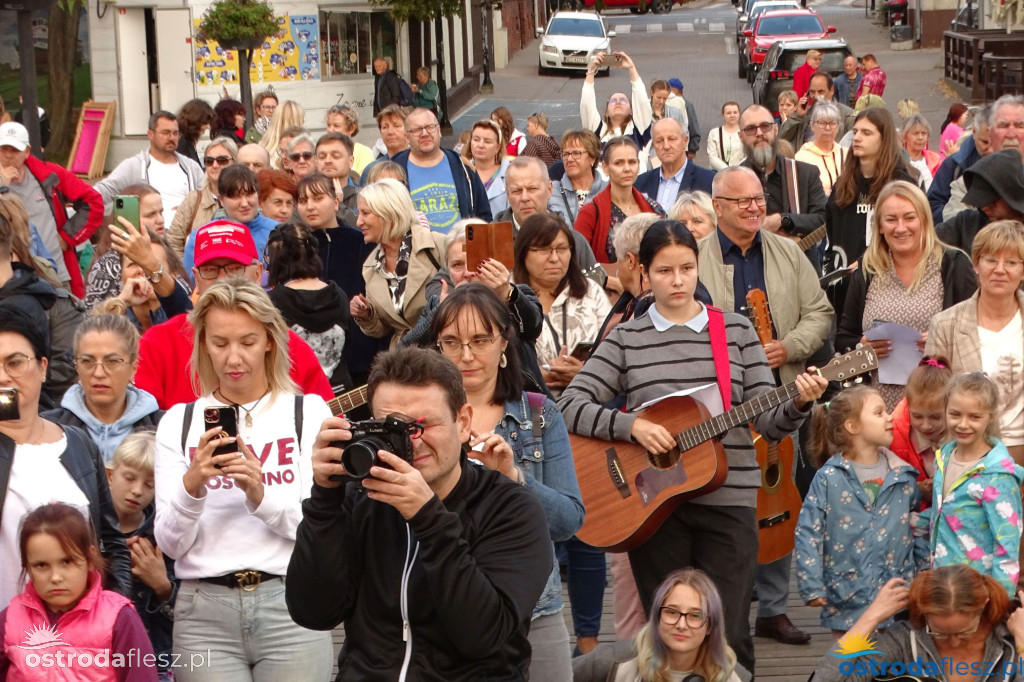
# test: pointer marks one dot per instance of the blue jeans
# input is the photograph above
(245, 636)
(586, 579)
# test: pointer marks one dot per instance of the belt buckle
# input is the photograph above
(248, 580)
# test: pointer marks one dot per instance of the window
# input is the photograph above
(791, 25)
(564, 26)
(351, 41)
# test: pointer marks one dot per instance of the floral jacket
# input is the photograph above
(847, 548)
(979, 522)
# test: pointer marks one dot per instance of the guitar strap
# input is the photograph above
(792, 186)
(720, 353)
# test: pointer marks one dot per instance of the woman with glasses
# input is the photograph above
(487, 154)
(396, 272)
(821, 150)
(907, 276)
(301, 156)
(42, 461)
(985, 333)
(198, 207)
(956, 615)
(725, 148)
(574, 305)
(915, 134)
(105, 403)
(227, 507)
(628, 115)
(581, 182)
(684, 635)
(619, 200)
(519, 434)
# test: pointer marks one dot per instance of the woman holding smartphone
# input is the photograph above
(227, 516)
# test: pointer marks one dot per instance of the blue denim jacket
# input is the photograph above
(546, 462)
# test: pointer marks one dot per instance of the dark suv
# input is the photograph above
(784, 57)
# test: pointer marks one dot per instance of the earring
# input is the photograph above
(503, 362)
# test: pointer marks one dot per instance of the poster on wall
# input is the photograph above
(292, 54)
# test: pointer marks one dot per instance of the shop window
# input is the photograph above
(351, 41)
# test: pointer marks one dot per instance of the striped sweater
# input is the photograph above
(639, 361)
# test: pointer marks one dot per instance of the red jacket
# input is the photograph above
(595, 217)
(802, 79)
(64, 187)
(165, 353)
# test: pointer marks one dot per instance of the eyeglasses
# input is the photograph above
(970, 632)
(744, 202)
(575, 154)
(827, 124)
(305, 156)
(671, 616)
(213, 271)
(110, 365)
(219, 160)
(764, 128)
(17, 364)
(1008, 263)
(546, 251)
(477, 345)
(429, 129)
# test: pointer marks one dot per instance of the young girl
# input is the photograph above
(976, 516)
(65, 606)
(919, 421)
(855, 532)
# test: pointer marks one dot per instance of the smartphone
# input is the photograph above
(582, 350)
(9, 404)
(611, 60)
(127, 206)
(490, 240)
(226, 418)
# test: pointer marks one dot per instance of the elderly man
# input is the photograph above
(740, 256)
(797, 130)
(387, 88)
(677, 173)
(848, 82)
(254, 156)
(443, 186)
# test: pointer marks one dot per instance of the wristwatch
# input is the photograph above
(787, 223)
(156, 276)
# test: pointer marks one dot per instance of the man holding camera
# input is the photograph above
(432, 563)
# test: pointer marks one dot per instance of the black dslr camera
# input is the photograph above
(393, 433)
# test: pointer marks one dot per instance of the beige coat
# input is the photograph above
(800, 311)
(196, 209)
(953, 334)
(383, 316)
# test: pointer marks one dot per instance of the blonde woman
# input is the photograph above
(802, 75)
(822, 150)
(696, 211)
(396, 273)
(288, 115)
(906, 276)
(229, 520)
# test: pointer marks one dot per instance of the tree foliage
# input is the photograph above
(422, 10)
(230, 20)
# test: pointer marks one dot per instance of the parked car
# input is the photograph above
(785, 24)
(571, 41)
(747, 16)
(638, 6)
(784, 57)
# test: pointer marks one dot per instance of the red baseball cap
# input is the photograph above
(224, 239)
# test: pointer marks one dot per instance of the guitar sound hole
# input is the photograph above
(664, 461)
(772, 475)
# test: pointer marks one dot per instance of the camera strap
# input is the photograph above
(190, 408)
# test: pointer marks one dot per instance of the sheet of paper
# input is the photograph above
(708, 395)
(904, 356)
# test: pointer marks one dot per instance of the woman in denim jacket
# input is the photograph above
(520, 434)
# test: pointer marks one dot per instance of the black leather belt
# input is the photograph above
(246, 580)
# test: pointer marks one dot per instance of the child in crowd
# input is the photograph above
(130, 475)
(855, 532)
(65, 607)
(919, 421)
(976, 503)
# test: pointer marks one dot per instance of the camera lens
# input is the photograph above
(360, 456)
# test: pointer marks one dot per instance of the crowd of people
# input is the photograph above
(256, 385)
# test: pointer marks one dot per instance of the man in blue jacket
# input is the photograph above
(442, 186)
(677, 174)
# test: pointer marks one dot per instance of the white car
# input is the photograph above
(571, 41)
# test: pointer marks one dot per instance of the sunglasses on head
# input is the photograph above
(305, 156)
(219, 160)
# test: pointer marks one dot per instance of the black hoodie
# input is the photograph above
(321, 317)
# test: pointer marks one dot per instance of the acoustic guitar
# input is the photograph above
(628, 492)
(778, 500)
(812, 238)
(348, 401)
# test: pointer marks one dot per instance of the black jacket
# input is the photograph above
(313, 315)
(694, 178)
(386, 90)
(83, 462)
(480, 561)
(961, 229)
(958, 284)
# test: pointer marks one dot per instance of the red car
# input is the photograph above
(782, 24)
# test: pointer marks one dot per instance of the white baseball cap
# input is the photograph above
(14, 135)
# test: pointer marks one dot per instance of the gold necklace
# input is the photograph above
(248, 410)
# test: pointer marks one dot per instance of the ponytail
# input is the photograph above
(828, 422)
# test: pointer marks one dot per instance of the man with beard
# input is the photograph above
(796, 200)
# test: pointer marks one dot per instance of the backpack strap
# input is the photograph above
(298, 419)
(186, 423)
(720, 352)
(536, 401)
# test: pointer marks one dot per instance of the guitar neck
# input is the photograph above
(812, 239)
(346, 402)
(741, 414)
